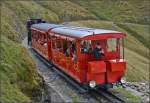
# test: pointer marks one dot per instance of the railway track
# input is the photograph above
(110, 97)
(95, 93)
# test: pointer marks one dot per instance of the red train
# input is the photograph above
(93, 57)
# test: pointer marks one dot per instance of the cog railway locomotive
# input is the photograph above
(72, 49)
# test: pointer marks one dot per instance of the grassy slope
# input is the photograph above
(70, 11)
(90, 13)
(18, 75)
(19, 78)
(135, 11)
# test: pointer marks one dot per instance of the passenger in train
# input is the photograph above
(73, 47)
(67, 52)
(89, 47)
(39, 41)
(45, 44)
(64, 46)
(43, 39)
(98, 52)
(74, 57)
(73, 52)
(85, 47)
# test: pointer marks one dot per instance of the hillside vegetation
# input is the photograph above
(127, 16)
(19, 78)
(133, 11)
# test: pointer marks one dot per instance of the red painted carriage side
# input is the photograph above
(115, 70)
(96, 71)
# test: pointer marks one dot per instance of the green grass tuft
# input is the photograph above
(128, 96)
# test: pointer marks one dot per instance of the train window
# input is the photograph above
(64, 46)
(53, 44)
(42, 39)
(36, 36)
(111, 44)
(49, 37)
(57, 45)
(69, 48)
(121, 48)
(73, 47)
(73, 52)
(86, 46)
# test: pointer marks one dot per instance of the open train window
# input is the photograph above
(50, 37)
(121, 43)
(36, 36)
(112, 45)
(64, 45)
(43, 38)
(53, 42)
(70, 50)
(86, 46)
(57, 44)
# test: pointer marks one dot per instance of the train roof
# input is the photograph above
(72, 31)
(45, 26)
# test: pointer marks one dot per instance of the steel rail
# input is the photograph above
(108, 96)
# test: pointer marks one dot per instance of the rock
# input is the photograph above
(127, 83)
(147, 94)
(132, 86)
(142, 83)
(140, 89)
(136, 86)
(147, 100)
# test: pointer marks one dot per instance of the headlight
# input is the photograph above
(92, 84)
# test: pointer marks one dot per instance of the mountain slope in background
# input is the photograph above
(128, 16)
